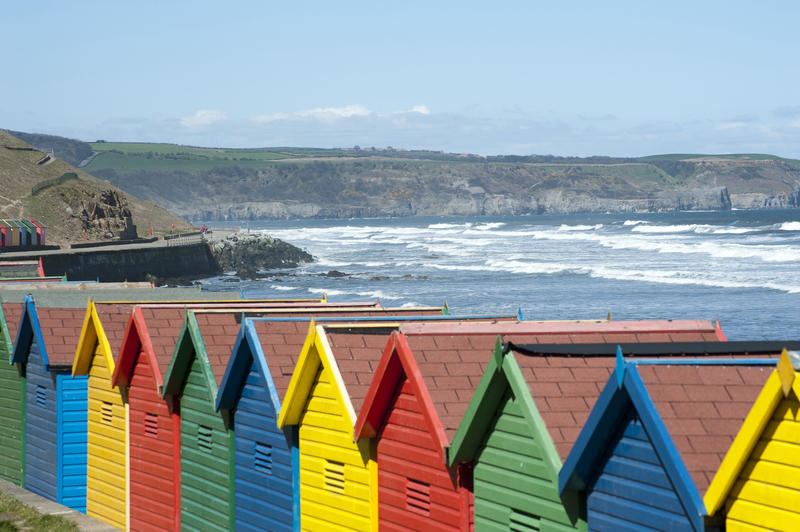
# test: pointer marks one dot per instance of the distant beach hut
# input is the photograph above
(13, 233)
(12, 399)
(41, 232)
(55, 434)
(656, 437)
(757, 485)
(106, 483)
(22, 231)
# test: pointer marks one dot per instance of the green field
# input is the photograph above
(130, 156)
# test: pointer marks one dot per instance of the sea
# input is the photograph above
(741, 267)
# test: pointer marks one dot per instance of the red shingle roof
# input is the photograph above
(114, 319)
(61, 330)
(357, 352)
(12, 313)
(163, 327)
(703, 408)
(281, 342)
(219, 331)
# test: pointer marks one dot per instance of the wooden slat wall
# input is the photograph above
(73, 438)
(205, 470)
(153, 502)
(12, 397)
(415, 489)
(767, 492)
(41, 431)
(326, 439)
(513, 487)
(632, 490)
(106, 472)
(264, 489)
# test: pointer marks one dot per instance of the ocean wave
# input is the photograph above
(283, 288)
(765, 253)
(489, 225)
(633, 222)
(449, 226)
(330, 263)
(789, 226)
(665, 228)
(580, 227)
(735, 230)
(683, 278)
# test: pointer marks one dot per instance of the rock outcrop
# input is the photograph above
(107, 215)
(247, 254)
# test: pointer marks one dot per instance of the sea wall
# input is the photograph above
(193, 260)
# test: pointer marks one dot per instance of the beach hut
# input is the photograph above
(426, 378)
(22, 231)
(55, 410)
(757, 485)
(40, 230)
(31, 231)
(107, 437)
(12, 236)
(657, 434)
(12, 399)
(253, 387)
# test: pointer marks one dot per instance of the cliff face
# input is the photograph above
(385, 187)
(555, 201)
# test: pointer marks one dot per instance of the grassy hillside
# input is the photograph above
(69, 150)
(58, 206)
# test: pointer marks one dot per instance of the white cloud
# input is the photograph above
(203, 118)
(728, 126)
(317, 113)
(328, 113)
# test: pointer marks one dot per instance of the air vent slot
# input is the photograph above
(524, 522)
(106, 412)
(262, 458)
(334, 477)
(41, 396)
(418, 496)
(151, 424)
(205, 438)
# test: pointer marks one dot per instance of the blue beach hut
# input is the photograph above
(55, 403)
(657, 435)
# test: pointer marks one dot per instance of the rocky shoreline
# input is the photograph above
(247, 254)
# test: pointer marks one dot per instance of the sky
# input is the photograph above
(573, 78)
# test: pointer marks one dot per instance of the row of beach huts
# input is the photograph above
(21, 233)
(314, 415)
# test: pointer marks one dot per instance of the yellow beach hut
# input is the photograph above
(757, 486)
(337, 476)
(106, 474)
